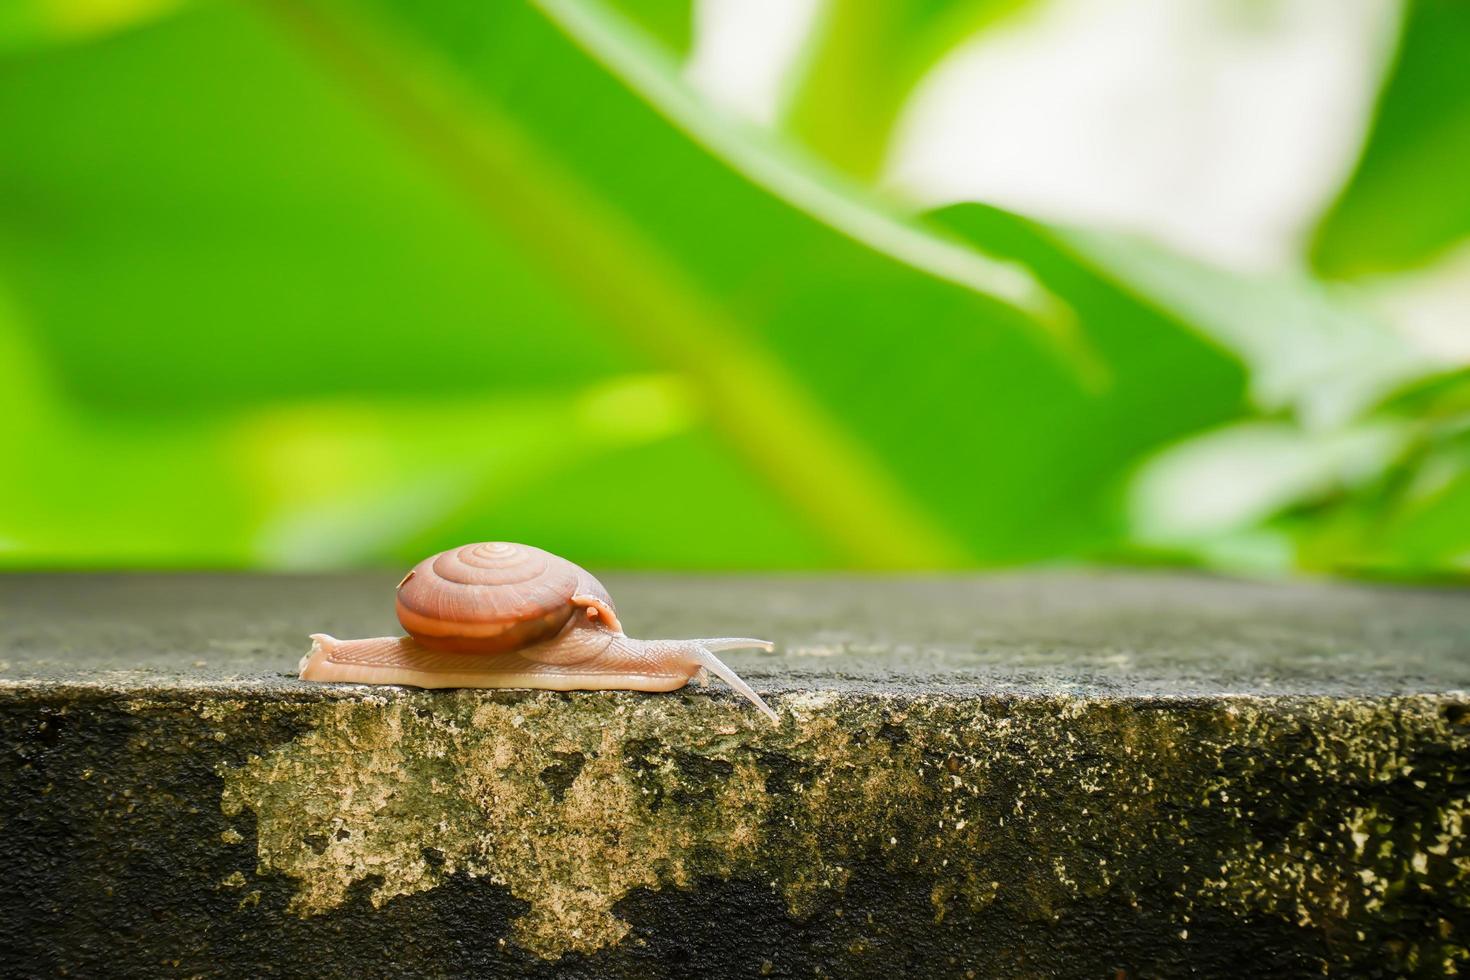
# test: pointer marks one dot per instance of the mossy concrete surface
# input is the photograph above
(1047, 775)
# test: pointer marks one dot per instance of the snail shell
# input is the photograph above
(493, 597)
(549, 624)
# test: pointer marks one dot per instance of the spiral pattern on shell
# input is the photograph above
(489, 597)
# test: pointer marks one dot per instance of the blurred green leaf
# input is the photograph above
(864, 61)
(179, 257)
(357, 481)
(1314, 351)
(194, 219)
(1385, 495)
(1068, 450)
(303, 284)
(1425, 533)
(1329, 377)
(467, 215)
(1211, 491)
(26, 24)
(81, 486)
(1414, 518)
(845, 320)
(530, 163)
(1409, 198)
(671, 22)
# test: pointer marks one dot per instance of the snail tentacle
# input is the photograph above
(707, 660)
(597, 606)
(734, 643)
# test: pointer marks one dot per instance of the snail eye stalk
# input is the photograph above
(705, 658)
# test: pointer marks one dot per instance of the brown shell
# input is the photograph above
(490, 597)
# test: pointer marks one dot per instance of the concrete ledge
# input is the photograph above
(1071, 774)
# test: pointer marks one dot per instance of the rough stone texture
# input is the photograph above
(1064, 774)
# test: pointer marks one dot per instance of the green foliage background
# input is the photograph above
(318, 284)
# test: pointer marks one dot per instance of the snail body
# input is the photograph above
(509, 615)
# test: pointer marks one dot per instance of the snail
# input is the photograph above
(509, 615)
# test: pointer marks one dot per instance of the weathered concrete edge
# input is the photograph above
(1339, 819)
(285, 688)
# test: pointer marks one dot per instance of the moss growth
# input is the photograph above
(1312, 811)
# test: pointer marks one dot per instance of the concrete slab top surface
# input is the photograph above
(1078, 633)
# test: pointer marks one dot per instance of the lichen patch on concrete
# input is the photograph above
(1291, 808)
(392, 791)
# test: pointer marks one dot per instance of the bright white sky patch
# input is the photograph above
(1219, 128)
(745, 49)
